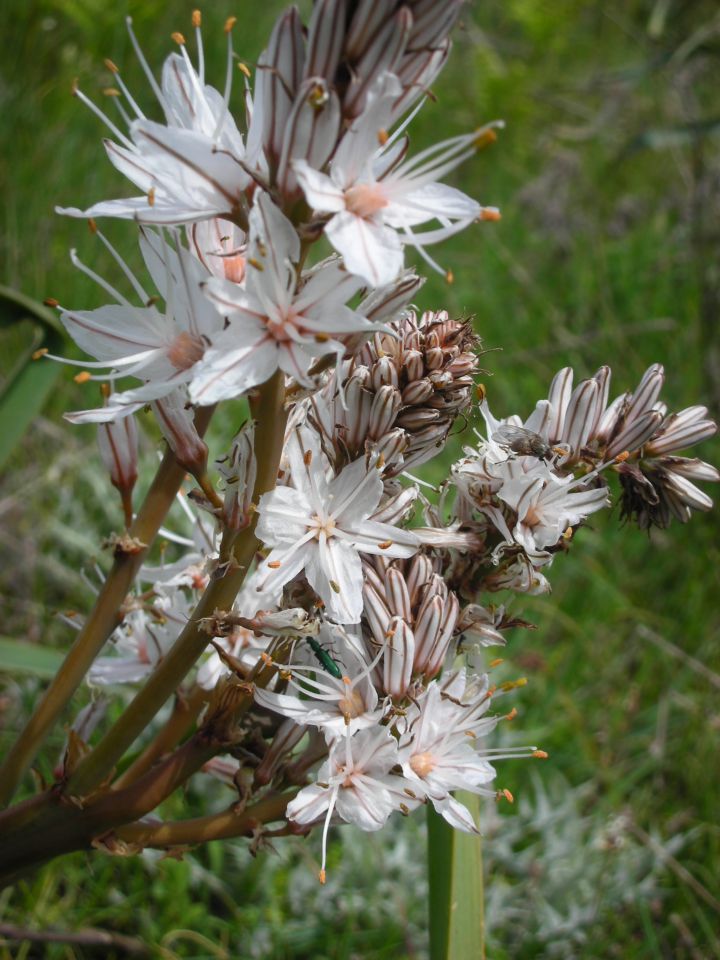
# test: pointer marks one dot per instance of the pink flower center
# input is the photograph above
(234, 268)
(365, 199)
(185, 350)
(352, 705)
(422, 764)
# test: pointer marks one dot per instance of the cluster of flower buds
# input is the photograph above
(402, 392)
(353, 622)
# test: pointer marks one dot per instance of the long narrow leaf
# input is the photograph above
(455, 875)
(467, 908)
(18, 656)
(24, 395)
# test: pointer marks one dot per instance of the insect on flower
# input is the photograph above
(324, 659)
(525, 442)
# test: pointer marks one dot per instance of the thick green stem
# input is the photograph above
(101, 622)
(269, 412)
(456, 894)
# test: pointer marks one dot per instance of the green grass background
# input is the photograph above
(607, 176)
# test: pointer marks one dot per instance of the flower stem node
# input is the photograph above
(123, 545)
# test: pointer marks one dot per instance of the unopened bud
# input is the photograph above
(119, 451)
(178, 428)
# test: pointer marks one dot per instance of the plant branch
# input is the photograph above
(268, 408)
(184, 714)
(218, 826)
(101, 622)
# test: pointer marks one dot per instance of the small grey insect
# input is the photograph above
(525, 442)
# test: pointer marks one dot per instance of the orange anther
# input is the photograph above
(490, 213)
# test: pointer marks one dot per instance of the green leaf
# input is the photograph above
(455, 875)
(18, 656)
(24, 395)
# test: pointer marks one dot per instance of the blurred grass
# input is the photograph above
(607, 176)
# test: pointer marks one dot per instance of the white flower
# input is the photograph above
(356, 783)
(160, 347)
(189, 169)
(271, 323)
(322, 524)
(334, 704)
(547, 504)
(376, 201)
(142, 640)
(438, 754)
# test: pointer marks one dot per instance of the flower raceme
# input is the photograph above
(350, 665)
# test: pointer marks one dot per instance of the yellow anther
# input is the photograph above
(111, 92)
(178, 38)
(230, 23)
(622, 457)
(322, 876)
(450, 277)
(274, 564)
(51, 302)
(40, 353)
(496, 662)
(151, 196)
(480, 392)
(92, 226)
(196, 18)
(335, 586)
(513, 684)
(347, 681)
(244, 69)
(383, 136)
(540, 754)
(255, 263)
(111, 66)
(385, 545)
(105, 390)
(512, 714)
(321, 338)
(307, 458)
(380, 463)
(82, 377)
(508, 796)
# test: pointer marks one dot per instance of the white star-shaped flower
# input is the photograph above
(322, 524)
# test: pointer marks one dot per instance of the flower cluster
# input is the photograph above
(357, 633)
